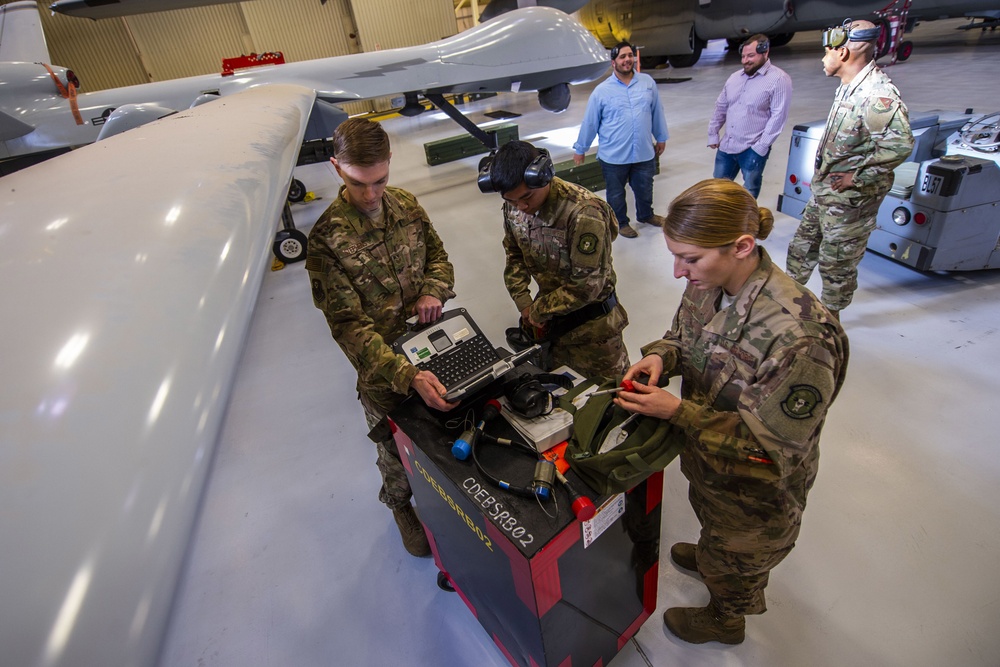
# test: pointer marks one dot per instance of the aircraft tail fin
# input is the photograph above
(21, 36)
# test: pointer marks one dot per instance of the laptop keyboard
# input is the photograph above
(468, 357)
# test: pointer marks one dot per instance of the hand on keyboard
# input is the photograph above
(431, 391)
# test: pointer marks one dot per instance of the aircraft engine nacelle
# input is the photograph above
(554, 99)
(128, 116)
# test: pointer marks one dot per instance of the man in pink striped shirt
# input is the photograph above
(753, 106)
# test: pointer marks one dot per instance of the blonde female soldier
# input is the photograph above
(761, 360)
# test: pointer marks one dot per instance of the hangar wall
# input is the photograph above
(125, 51)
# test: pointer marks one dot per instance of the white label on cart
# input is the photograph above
(606, 515)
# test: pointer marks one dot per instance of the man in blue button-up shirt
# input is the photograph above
(625, 113)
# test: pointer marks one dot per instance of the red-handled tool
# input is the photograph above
(626, 385)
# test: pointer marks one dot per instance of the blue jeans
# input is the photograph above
(727, 165)
(639, 177)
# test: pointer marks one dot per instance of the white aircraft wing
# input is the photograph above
(531, 49)
(130, 268)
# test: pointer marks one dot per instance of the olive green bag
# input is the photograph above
(647, 444)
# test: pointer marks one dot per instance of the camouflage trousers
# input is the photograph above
(395, 491)
(595, 348)
(833, 234)
(741, 538)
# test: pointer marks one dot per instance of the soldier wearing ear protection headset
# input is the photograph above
(559, 235)
(867, 135)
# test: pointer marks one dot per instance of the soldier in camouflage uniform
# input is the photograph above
(761, 361)
(374, 260)
(867, 135)
(560, 235)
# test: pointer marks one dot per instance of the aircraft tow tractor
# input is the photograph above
(943, 212)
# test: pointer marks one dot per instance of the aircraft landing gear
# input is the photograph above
(296, 191)
(289, 243)
(688, 60)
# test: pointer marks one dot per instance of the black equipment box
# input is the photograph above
(549, 589)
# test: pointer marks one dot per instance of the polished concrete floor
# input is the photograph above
(295, 562)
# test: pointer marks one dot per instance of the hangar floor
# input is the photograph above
(295, 562)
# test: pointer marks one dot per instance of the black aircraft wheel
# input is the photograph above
(296, 191)
(443, 583)
(904, 51)
(688, 60)
(289, 245)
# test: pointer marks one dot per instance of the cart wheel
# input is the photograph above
(289, 245)
(444, 584)
(904, 51)
(296, 191)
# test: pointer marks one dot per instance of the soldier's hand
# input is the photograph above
(525, 315)
(431, 391)
(428, 309)
(648, 400)
(578, 158)
(651, 365)
(841, 181)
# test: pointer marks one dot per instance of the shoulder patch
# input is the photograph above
(880, 112)
(882, 104)
(587, 243)
(796, 404)
(801, 401)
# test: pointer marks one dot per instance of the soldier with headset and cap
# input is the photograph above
(560, 235)
(867, 135)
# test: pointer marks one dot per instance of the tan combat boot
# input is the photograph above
(655, 220)
(414, 537)
(698, 625)
(683, 555)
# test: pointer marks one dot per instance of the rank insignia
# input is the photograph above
(587, 244)
(802, 399)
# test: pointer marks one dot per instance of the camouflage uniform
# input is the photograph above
(366, 278)
(868, 135)
(757, 380)
(566, 248)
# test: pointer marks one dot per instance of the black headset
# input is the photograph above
(537, 174)
(527, 395)
(615, 51)
(763, 45)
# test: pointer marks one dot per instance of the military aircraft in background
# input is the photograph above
(131, 269)
(677, 30)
